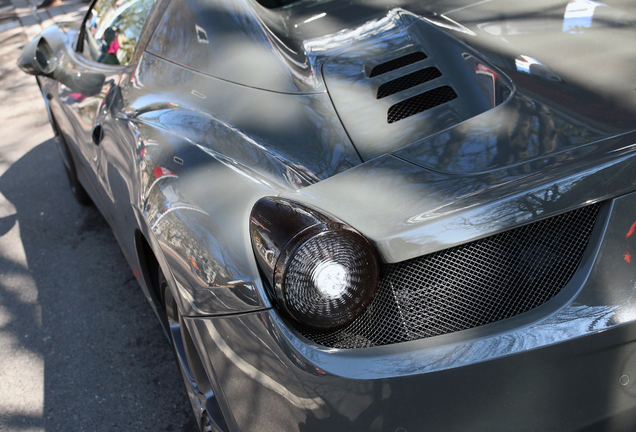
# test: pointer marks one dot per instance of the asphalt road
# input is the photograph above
(80, 349)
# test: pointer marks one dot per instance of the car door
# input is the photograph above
(114, 156)
(76, 103)
(104, 46)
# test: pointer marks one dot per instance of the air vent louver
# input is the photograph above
(397, 63)
(421, 102)
(408, 81)
(471, 285)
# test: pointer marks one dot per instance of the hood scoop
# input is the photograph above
(413, 81)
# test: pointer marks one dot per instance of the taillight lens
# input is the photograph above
(323, 273)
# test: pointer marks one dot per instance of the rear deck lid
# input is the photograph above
(459, 99)
(408, 84)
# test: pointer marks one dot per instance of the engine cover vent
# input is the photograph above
(379, 86)
(470, 285)
(397, 63)
(421, 102)
(408, 81)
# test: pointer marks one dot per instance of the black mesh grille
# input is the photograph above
(397, 63)
(408, 81)
(469, 285)
(421, 102)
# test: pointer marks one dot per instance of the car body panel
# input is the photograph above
(408, 211)
(226, 39)
(547, 389)
(75, 110)
(297, 138)
(231, 102)
(563, 106)
(517, 374)
(572, 99)
(183, 152)
(356, 89)
(156, 177)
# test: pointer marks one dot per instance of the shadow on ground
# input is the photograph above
(107, 363)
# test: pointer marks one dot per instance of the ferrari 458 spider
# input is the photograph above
(368, 215)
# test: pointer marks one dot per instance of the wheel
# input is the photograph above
(174, 321)
(207, 424)
(202, 399)
(174, 318)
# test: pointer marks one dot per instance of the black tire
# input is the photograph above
(168, 303)
(77, 189)
(206, 423)
(173, 321)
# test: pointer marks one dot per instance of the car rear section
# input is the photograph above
(560, 360)
(499, 204)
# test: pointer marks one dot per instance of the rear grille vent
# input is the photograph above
(408, 81)
(397, 63)
(421, 102)
(470, 285)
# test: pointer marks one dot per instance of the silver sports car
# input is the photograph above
(368, 215)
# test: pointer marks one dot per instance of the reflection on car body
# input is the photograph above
(370, 215)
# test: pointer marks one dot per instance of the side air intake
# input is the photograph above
(418, 103)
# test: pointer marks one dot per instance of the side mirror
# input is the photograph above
(37, 58)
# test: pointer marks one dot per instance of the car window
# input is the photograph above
(113, 28)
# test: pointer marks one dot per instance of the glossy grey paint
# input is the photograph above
(293, 140)
(409, 212)
(227, 140)
(554, 108)
(122, 184)
(226, 39)
(513, 375)
(353, 89)
(205, 257)
(545, 126)
(575, 94)
(212, 135)
(557, 104)
(76, 113)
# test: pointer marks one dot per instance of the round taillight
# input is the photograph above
(324, 274)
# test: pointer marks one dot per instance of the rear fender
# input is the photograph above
(193, 208)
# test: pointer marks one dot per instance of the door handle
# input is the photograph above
(98, 134)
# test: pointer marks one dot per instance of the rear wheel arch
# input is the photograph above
(149, 267)
(197, 382)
